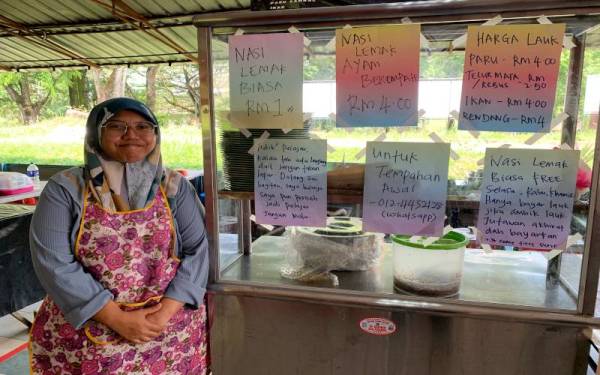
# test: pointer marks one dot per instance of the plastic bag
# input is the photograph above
(341, 246)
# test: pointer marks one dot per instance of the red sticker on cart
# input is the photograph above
(378, 326)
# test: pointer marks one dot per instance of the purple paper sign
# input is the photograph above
(265, 80)
(290, 182)
(406, 187)
(527, 197)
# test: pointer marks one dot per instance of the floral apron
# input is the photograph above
(132, 255)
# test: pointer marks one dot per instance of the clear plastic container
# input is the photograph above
(430, 270)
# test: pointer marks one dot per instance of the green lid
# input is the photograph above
(450, 241)
(341, 226)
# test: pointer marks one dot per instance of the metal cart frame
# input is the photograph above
(235, 300)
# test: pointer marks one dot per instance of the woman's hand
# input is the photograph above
(134, 326)
(168, 308)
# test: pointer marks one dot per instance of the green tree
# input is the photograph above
(179, 87)
(31, 91)
(79, 95)
(561, 83)
(591, 66)
(319, 67)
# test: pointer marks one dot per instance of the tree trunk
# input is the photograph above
(78, 95)
(20, 93)
(114, 86)
(151, 73)
(193, 90)
(28, 114)
(117, 81)
(100, 87)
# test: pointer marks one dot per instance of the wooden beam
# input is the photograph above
(21, 31)
(128, 15)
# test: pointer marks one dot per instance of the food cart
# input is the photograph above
(524, 312)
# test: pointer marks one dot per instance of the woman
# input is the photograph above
(121, 249)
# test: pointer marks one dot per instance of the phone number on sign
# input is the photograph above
(412, 204)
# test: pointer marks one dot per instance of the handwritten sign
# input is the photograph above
(527, 197)
(509, 78)
(377, 75)
(265, 80)
(406, 187)
(290, 182)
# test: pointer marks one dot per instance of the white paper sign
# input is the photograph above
(290, 182)
(527, 197)
(406, 187)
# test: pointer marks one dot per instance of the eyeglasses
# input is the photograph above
(119, 128)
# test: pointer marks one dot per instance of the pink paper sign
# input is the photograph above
(509, 79)
(527, 197)
(290, 182)
(406, 188)
(265, 80)
(377, 75)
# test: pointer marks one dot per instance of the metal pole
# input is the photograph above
(569, 128)
(418, 11)
(246, 223)
(572, 95)
(588, 286)
(209, 149)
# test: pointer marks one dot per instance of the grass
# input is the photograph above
(60, 141)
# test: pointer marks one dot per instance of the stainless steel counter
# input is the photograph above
(500, 277)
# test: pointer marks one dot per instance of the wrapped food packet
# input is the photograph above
(340, 246)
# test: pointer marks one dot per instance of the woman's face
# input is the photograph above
(131, 147)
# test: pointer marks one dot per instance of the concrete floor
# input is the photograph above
(13, 335)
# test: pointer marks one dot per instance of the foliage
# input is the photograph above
(319, 67)
(442, 65)
(8, 110)
(591, 66)
(136, 83)
(53, 85)
(323, 124)
(561, 84)
(178, 88)
(50, 82)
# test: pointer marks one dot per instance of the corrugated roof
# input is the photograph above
(78, 33)
(45, 34)
(64, 12)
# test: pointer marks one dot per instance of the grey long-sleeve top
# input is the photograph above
(54, 230)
